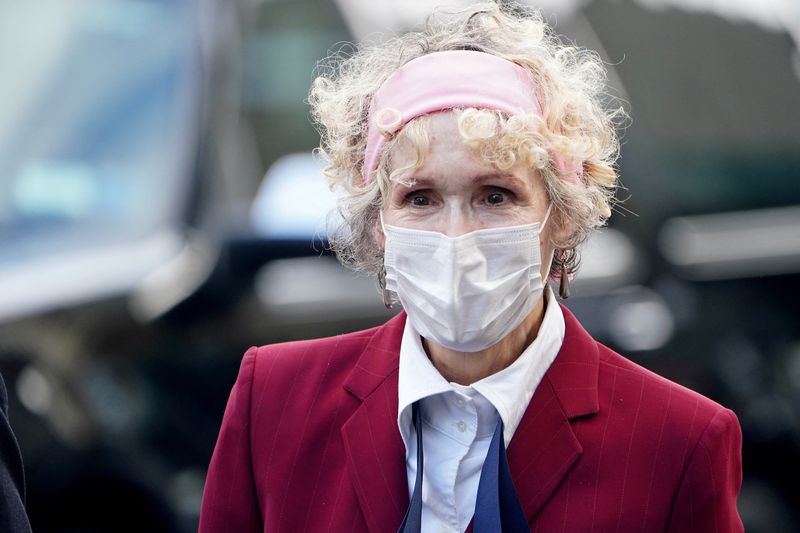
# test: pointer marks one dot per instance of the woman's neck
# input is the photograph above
(465, 368)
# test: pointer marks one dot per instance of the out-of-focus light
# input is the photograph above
(293, 200)
(316, 289)
(127, 19)
(793, 367)
(731, 245)
(34, 391)
(640, 325)
(186, 491)
(173, 281)
(775, 15)
(81, 275)
(608, 259)
(366, 17)
(56, 188)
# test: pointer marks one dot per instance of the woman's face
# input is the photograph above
(455, 193)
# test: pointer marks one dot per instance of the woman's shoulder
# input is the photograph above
(309, 355)
(344, 344)
(322, 360)
(627, 389)
(651, 397)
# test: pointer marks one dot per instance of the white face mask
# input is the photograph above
(467, 292)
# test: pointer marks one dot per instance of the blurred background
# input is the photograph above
(160, 212)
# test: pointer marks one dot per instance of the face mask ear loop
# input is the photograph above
(544, 220)
(380, 216)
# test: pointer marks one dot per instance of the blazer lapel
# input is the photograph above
(544, 446)
(541, 453)
(374, 448)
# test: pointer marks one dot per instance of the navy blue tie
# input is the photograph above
(497, 507)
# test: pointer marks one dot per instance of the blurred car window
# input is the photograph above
(96, 123)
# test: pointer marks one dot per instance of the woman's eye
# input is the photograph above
(495, 198)
(418, 200)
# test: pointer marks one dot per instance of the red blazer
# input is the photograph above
(309, 442)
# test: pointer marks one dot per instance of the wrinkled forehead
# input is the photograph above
(430, 141)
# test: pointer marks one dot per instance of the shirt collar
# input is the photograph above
(509, 391)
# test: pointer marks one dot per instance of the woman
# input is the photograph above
(475, 157)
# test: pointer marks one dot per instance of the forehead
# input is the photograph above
(446, 155)
(441, 138)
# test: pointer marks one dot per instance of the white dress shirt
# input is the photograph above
(459, 420)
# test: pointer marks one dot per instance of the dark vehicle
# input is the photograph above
(135, 269)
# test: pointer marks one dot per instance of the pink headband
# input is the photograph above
(448, 80)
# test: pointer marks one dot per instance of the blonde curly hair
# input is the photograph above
(579, 123)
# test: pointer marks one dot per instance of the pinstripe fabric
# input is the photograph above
(309, 442)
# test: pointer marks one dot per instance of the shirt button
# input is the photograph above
(460, 402)
(444, 529)
(462, 427)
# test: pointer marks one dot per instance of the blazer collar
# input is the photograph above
(574, 372)
(542, 451)
(545, 447)
(379, 359)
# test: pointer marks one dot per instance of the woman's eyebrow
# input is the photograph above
(425, 181)
(497, 176)
(413, 182)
